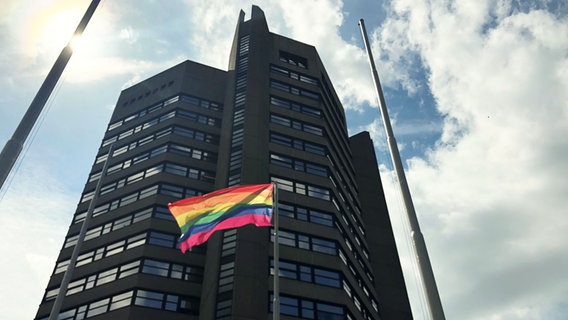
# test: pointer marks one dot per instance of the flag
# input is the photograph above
(198, 217)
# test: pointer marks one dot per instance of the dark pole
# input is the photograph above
(14, 146)
(64, 286)
(428, 282)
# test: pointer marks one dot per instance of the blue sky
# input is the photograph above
(476, 91)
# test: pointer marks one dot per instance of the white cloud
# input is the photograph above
(489, 195)
(129, 34)
(34, 213)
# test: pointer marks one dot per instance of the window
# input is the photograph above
(295, 124)
(293, 75)
(307, 273)
(153, 238)
(281, 86)
(307, 242)
(293, 59)
(303, 189)
(305, 214)
(297, 144)
(309, 309)
(298, 165)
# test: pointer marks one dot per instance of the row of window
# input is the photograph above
(323, 218)
(237, 131)
(226, 276)
(298, 165)
(298, 144)
(167, 167)
(295, 106)
(298, 241)
(152, 237)
(146, 266)
(338, 121)
(295, 124)
(176, 130)
(102, 252)
(293, 75)
(358, 278)
(191, 152)
(183, 98)
(293, 59)
(206, 104)
(140, 114)
(183, 114)
(158, 212)
(312, 191)
(288, 162)
(310, 309)
(343, 215)
(147, 94)
(138, 297)
(323, 194)
(305, 214)
(163, 188)
(307, 273)
(306, 242)
(325, 277)
(357, 301)
(294, 90)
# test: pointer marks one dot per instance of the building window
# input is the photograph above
(309, 309)
(307, 273)
(306, 242)
(295, 106)
(305, 214)
(152, 238)
(298, 144)
(312, 191)
(281, 86)
(298, 165)
(183, 98)
(295, 124)
(293, 59)
(293, 75)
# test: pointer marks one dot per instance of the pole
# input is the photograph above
(14, 146)
(73, 261)
(276, 301)
(428, 282)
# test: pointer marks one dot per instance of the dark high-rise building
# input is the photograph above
(272, 117)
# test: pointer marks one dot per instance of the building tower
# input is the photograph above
(272, 117)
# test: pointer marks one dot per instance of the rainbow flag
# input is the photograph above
(198, 217)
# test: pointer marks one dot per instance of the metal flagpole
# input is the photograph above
(428, 282)
(73, 261)
(276, 300)
(14, 146)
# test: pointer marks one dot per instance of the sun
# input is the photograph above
(59, 28)
(50, 26)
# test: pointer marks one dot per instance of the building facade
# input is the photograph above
(272, 117)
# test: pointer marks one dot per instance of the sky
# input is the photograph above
(476, 90)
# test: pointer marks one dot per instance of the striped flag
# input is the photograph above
(198, 217)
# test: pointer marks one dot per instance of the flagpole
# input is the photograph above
(73, 261)
(428, 282)
(276, 258)
(14, 146)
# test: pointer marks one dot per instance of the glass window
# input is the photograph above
(121, 301)
(149, 299)
(98, 307)
(156, 267)
(162, 239)
(289, 306)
